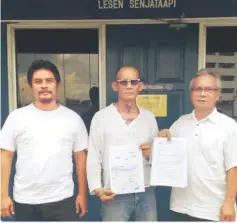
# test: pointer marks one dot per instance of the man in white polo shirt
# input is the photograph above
(45, 136)
(212, 156)
(122, 122)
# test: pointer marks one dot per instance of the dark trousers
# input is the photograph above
(184, 217)
(63, 210)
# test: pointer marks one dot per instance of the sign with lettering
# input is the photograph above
(136, 4)
(116, 9)
(157, 104)
(159, 87)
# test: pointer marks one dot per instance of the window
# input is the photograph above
(226, 53)
(227, 78)
(74, 52)
(227, 90)
(210, 65)
(226, 65)
(211, 53)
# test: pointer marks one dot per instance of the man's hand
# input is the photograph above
(105, 194)
(81, 205)
(164, 133)
(227, 211)
(146, 149)
(7, 208)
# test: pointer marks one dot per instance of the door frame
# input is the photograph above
(203, 36)
(101, 26)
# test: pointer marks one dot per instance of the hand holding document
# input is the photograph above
(169, 162)
(126, 169)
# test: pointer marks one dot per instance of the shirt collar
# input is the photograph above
(213, 116)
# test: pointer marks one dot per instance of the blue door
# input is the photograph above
(163, 56)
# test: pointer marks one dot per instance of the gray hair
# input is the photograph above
(206, 72)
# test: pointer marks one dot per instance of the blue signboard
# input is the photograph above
(116, 9)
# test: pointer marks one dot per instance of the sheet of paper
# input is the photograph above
(169, 162)
(126, 169)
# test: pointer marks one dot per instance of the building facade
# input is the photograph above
(167, 40)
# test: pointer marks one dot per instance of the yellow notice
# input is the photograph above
(155, 103)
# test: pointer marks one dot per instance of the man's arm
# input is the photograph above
(94, 162)
(6, 166)
(94, 159)
(227, 212)
(8, 147)
(79, 152)
(230, 158)
(231, 185)
(80, 160)
(81, 200)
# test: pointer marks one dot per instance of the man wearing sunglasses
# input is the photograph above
(122, 122)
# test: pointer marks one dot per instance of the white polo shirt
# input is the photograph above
(107, 129)
(44, 141)
(212, 151)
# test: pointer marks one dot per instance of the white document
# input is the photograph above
(169, 162)
(126, 169)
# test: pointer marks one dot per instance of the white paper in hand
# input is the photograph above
(126, 169)
(169, 162)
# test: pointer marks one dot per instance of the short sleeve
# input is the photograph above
(8, 134)
(81, 137)
(230, 149)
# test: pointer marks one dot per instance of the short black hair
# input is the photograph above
(42, 64)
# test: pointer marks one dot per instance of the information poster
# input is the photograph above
(155, 103)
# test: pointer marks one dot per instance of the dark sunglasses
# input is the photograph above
(133, 82)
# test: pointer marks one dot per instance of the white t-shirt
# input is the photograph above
(45, 142)
(107, 129)
(212, 151)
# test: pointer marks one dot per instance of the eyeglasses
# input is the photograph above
(206, 90)
(133, 82)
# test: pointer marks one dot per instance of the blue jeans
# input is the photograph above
(139, 206)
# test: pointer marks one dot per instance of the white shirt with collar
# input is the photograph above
(107, 129)
(212, 151)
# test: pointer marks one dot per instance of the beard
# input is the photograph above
(46, 100)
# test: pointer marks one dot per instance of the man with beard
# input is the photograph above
(45, 135)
